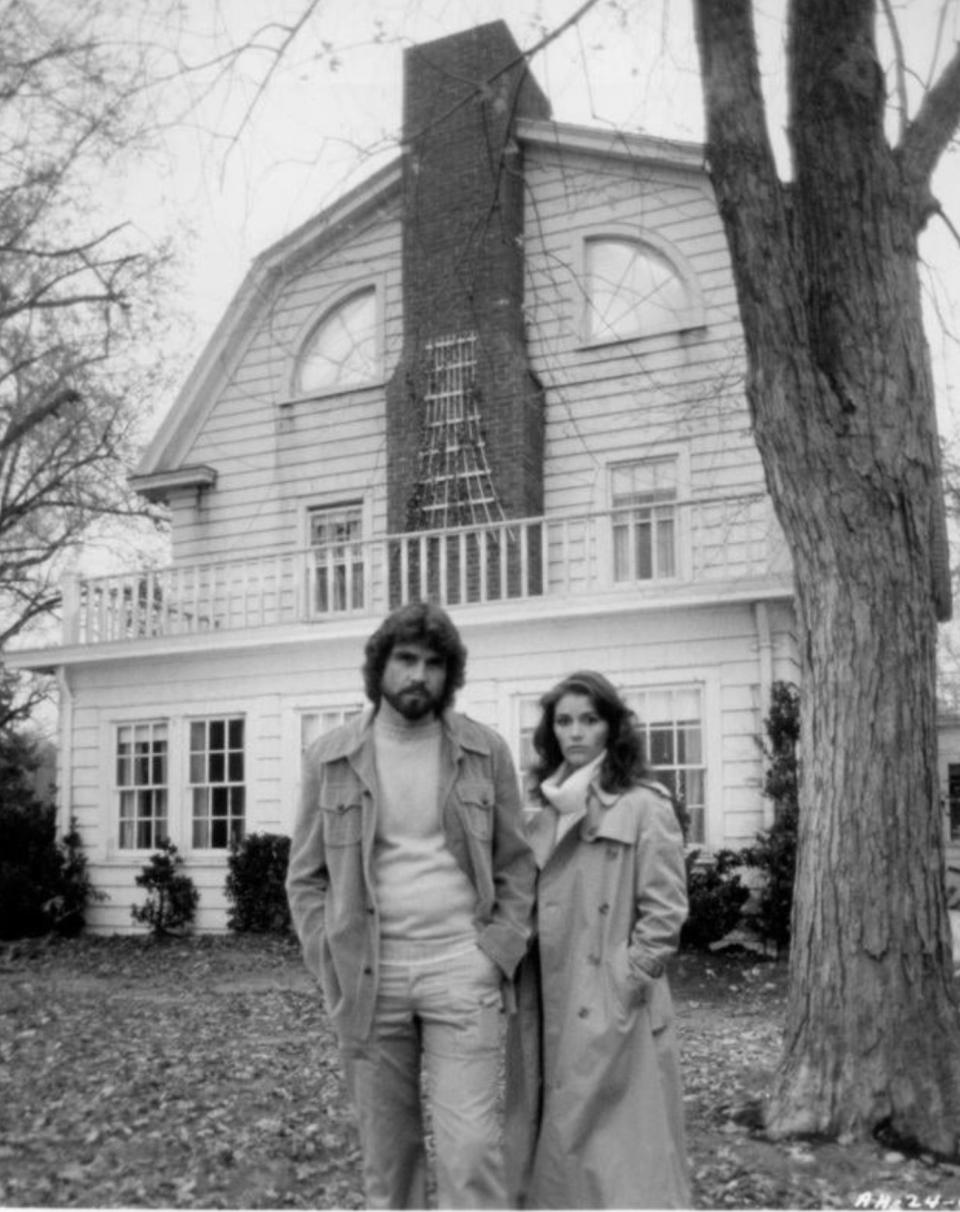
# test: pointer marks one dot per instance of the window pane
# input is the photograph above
(342, 350)
(218, 797)
(335, 535)
(666, 566)
(632, 289)
(643, 551)
(661, 745)
(141, 771)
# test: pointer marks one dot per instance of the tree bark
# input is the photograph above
(841, 396)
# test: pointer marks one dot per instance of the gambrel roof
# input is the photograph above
(165, 460)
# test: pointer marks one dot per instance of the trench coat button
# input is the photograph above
(604, 908)
(583, 1012)
(368, 972)
(595, 960)
(612, 852)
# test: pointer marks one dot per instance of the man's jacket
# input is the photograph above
(330, 882)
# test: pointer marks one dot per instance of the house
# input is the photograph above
(505, 373)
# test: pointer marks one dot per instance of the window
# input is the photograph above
(142, 772)
(643, 498)
(336, 532)
(953, 800)
(670, 719)
(216, 781)
(632, 290)
(314, 724)
(342, 350)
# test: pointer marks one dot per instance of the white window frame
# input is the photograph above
(190, 785)
(636, 695)
(318, 317)
(682, 533)
(690, 316)
(330, 505)
(118, 789)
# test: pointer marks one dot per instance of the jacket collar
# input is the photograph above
(460, 730)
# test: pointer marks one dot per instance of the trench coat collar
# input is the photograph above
(541, 824)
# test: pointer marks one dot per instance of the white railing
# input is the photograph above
(638, 551)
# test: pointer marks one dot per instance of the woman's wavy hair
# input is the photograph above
(624, 763)
(419, 623)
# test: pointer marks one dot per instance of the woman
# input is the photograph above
(594, 1100)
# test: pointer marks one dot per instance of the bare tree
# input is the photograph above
(78, 297)
(840, 390)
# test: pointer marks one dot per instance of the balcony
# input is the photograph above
(705, 548)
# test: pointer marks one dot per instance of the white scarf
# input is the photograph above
(566, 792)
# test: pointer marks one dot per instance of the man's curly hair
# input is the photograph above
(419, 623)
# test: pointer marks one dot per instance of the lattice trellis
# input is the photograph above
(454, 484)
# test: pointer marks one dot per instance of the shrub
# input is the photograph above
(775, 850)
(716, 895)
(30, 867)
(257, 869)
(43, 884)
(172, 898)
(67, 909)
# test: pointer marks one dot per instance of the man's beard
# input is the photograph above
(413, 703)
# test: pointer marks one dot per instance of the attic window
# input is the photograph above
(634, 290)
(341, 351)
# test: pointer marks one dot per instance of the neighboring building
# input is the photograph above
(505, 373)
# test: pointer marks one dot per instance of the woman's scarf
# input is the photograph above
(566, 792)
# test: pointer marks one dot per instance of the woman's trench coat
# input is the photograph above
(594, 1101)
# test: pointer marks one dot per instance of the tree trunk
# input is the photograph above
(841, 396)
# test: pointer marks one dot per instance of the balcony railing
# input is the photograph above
(635, 550)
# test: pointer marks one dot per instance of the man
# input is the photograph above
(411, 889)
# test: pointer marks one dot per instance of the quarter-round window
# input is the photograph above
(632, 291)
(342, 350)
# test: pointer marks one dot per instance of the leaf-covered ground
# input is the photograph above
(202, 1074)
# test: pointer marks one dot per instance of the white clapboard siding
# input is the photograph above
(270, 451)
(613, 402)
(716, 649)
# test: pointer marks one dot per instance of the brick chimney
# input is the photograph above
(464, 412)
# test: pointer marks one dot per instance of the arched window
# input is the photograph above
(342, 350)
(633, 290)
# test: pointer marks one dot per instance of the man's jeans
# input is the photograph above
(442, 1006)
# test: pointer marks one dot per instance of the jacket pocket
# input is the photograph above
(476, 799)
(341, 824)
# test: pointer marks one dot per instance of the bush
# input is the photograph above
(172, 898)
(775, 851)
(716, 895)
(67, 909)
(44, 884)
(30, 868)
(257, 869)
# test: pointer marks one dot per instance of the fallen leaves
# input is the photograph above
(202, 1073)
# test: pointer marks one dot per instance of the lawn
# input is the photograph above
(202, 1074)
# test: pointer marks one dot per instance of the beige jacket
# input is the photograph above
(329, 879)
